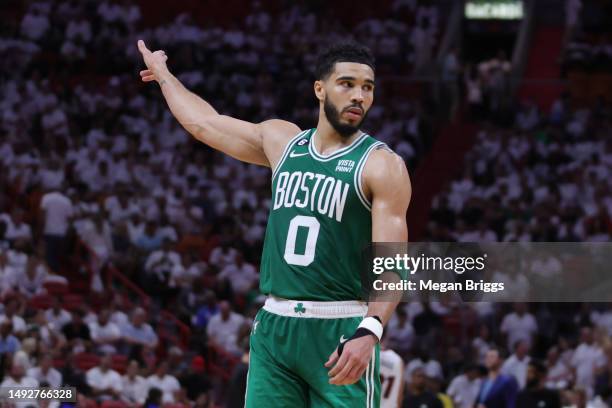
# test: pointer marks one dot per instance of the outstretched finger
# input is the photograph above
(148, 78)
(142, 47)
(146, 72)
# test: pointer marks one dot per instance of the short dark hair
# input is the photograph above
(347, 51)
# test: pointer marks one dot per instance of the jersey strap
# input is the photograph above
(358, 172)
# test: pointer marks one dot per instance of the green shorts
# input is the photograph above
(290, 343)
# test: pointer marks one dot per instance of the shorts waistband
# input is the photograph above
(320, 310)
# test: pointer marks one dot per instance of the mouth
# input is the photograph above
(354, 113)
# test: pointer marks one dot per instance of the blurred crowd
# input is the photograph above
(90, 155)
(96, 176)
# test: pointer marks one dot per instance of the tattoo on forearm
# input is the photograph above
(162, 82)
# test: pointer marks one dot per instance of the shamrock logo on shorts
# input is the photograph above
(299, 308)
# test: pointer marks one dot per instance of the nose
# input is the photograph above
(357, 96)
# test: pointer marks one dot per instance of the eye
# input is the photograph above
(368, 88)
(346, 84)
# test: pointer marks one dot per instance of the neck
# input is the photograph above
(327, 138)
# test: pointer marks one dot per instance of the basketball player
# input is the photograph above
(391, 378)
(334, 190)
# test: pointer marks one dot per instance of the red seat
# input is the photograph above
(59, 363)
(85, 361)
(88, 403)
(119, 363)
(56, 288)
(41, 302)
(72, 302)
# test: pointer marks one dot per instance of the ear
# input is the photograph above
(319, 90)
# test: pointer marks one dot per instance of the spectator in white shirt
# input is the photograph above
(8, 273)
(162, 262)
(241, 275)
(138, 332)
(223, 255)
(400, 333)
(18, 379)
(96, 234)
(558, 375)
(519, 325)
(105, 382)
(31, 282)
(105, 333)
(17, 229)
(56, 211)
(135, 387)
(587, 358)
(168, 384)
(223, 328)
(11, 314)
(56, 316)
(45, 372)
(516, 365)
(464, 388)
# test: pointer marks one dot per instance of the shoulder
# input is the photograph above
(386, 171)
(278, 131)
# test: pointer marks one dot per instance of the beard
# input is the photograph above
(333, 116)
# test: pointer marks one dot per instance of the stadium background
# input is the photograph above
(122, 237)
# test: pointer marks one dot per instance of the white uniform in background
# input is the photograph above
(391, 379)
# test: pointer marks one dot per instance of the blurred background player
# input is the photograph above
(391, 377)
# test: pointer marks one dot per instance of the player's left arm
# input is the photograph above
(386, 181)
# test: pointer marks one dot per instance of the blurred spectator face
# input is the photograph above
(17, 372)
(105, 362)
(5, 328)
(162, 369)
(472, 373)
(103, 317)
(132, 369)
(139, 317)
(586, 335)
(522, 348)
(10, 308)
(520, 308)
(17, 216)
(418, 379)
(346, 101)
(492, 360)
(46, 362)
(484, 331)
(225, 309)
(553, 355)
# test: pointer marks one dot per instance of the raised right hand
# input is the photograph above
(155, 62)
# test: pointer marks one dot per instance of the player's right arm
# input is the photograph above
(258, 143)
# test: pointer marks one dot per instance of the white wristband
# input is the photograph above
(373, 325)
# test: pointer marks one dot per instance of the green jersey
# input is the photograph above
(319, 222)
